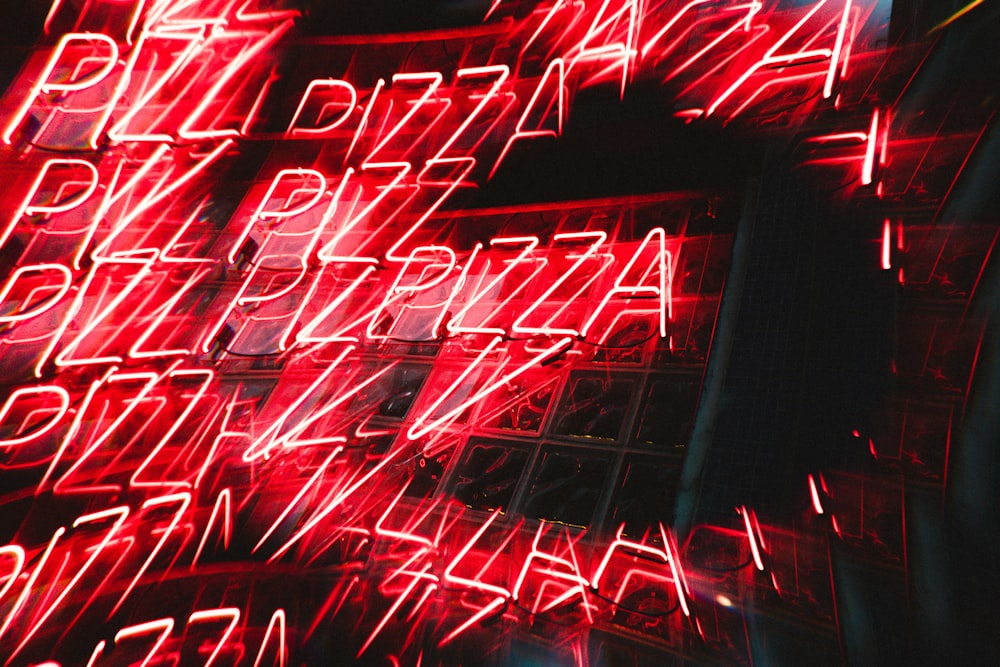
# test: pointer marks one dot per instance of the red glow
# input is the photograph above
(814, 495)
(886, 245)
(868, 165)
(249, 321)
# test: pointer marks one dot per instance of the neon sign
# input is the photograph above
(311, 366)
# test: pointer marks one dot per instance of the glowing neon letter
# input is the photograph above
(277, 619)
(162, 625)
(208, 615)
(319, 84)
(519, 131)
(38, 431)
(46, 86)
(661, 290)
(440, 272)
(453, 324)
(26, 207)
(598, 238)
(665, 554)
(263, 211)
(47, 303)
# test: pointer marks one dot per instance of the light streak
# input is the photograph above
(743, 22)
(769, 59)
(886, 245)
(479, 615)
(268, 440)
(477, 584)
(751, 536)
(868, 165)
(290, 438)
(19, 557)
(405, 535)
(627, 48)
(312, 482)
(680, 580)
(391, 612)
(333, 504)
(669, 25)
(420, 428)
(957, 15)
(837, 48)
(814, 495)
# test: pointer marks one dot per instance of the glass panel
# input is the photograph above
(566, 485)
(594, 407)
(645, 494)
(520, 405)
(668, 413)
(425, 472)
(392, 394)
(488, 474)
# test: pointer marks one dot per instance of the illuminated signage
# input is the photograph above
(331, 361)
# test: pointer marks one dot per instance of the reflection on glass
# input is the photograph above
(566, 486)
(645, 494)
(668, 413)
(594, 407)
(518, 407)
(488, 474)
(392, 394)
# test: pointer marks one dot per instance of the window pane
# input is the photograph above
(668, 413)
(645, 493)
(594, 407)
(566, 485)
(488, 474)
